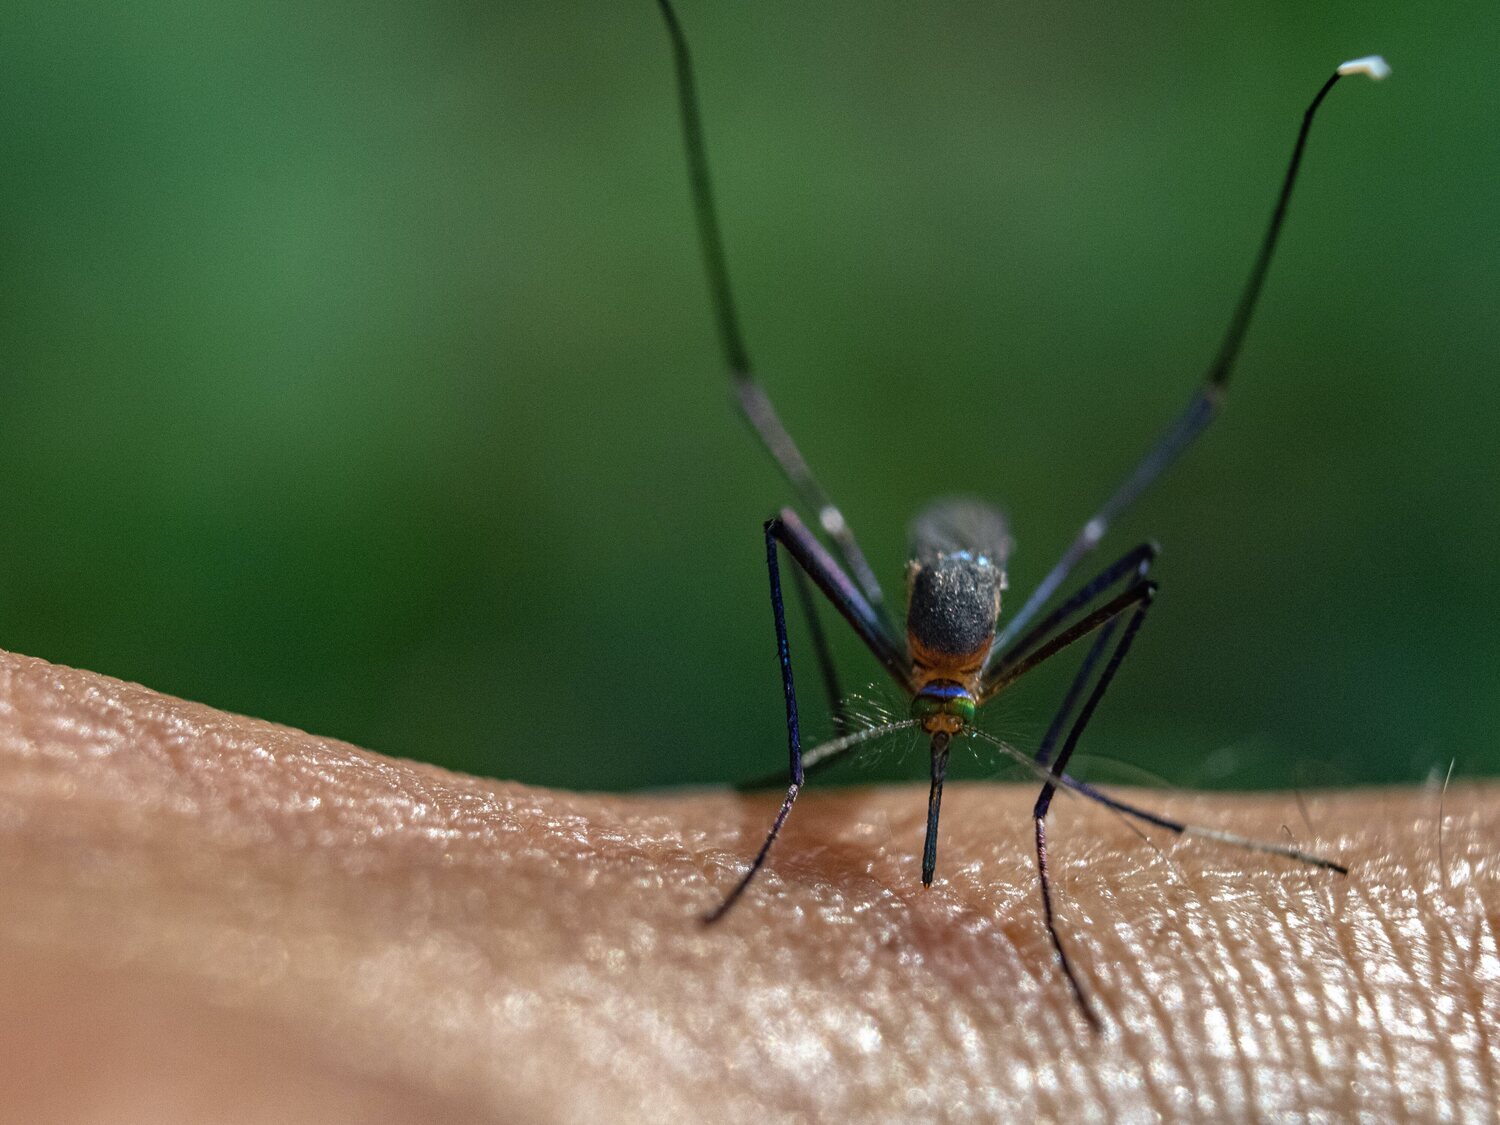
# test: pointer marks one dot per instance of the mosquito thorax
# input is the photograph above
(953, 602)
(943, 707)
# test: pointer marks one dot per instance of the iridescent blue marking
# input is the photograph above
(944, 691)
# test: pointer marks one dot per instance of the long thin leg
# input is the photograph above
(1145, 593)
(1137, 561)
(788, 528)
(824, 654)
(998, 681)
(838, 713)
(836, 748)
(1198, 831)
(793, 732)
(787, 531)
(1045, 882)
(1075, 693)
(1021, 658)
(1057, 776)
(1206, 401)
(752, 399)
(1044, 801)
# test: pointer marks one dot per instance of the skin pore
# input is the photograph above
(210, 918)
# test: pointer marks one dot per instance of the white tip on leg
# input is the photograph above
(1372, 65)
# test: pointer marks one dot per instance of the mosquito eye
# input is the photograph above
(924, 706)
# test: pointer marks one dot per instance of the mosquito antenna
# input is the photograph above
(1218, 374)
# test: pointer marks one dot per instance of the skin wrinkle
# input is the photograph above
(1158, 1082)
(1206, 952)
(1427, 913)
(1484, 1009)
(1331, 986)
(528, 955)
(1215, 933)
(1301, 951)
(1439, 952)
(1391, 974)
(1430, 1019)
(1268, 978)
(1282, 973)
(1132, 972)
(1471, 1026)
(1467, 943)
(1306, 951)
(1309, 949)
(1360, 953)
(1095, 1078)
(1146, 987)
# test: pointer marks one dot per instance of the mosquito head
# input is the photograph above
(943, 708)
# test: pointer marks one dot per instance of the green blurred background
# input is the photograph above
(359, 374)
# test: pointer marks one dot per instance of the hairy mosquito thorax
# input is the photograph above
(952, 605)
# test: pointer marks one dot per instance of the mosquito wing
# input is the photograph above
(960, 525)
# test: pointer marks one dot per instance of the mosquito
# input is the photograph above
(953, 657)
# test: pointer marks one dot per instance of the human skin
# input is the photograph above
(210, 918)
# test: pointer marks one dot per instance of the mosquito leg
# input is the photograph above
(1181, 828)
(1137, 562)
(823, 653)
(793, 732)
(836, 709)
(1205, 403)
(1049, 637)
(1075, 693)
(752, 399)
(816, 563)
(786, 531)
(1143, 594)
(1021, 659)
(1062, 955)
(1202, 832)
(760, 858)
(835, 749)
(756, 406)
(1057, 776)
